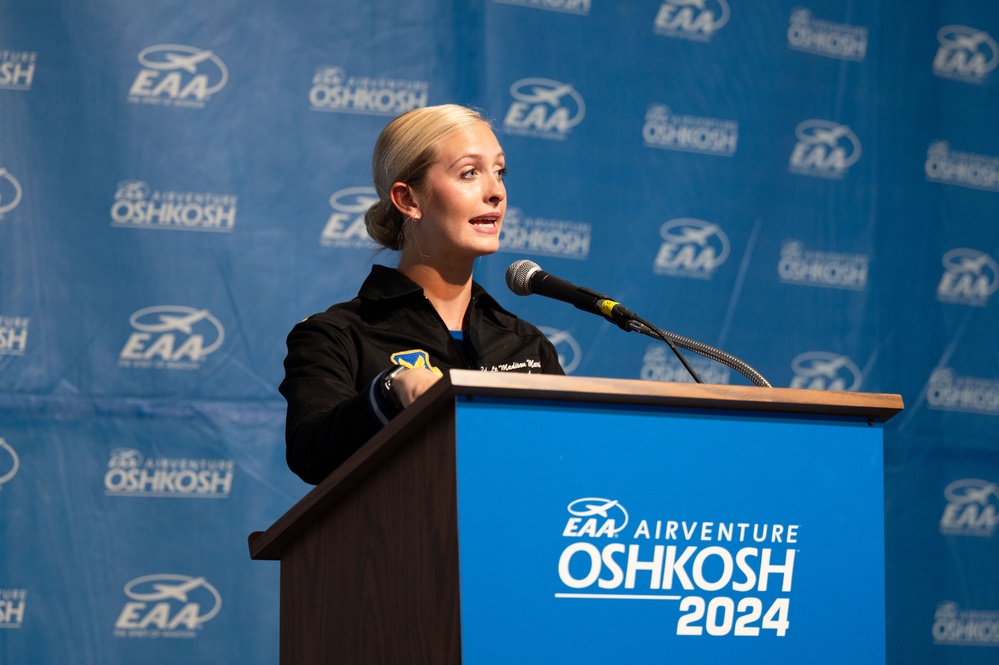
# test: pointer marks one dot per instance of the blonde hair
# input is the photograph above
(404, 152)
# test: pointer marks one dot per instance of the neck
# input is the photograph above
(449, 291)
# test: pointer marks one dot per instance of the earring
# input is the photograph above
(416, 216)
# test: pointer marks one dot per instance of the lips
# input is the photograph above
(489, 220)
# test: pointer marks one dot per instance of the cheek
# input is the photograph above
(453, 201)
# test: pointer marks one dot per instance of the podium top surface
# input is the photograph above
(876, 407)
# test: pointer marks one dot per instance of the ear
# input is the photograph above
(405, 199)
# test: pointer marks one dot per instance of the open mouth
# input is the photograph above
(486, 221)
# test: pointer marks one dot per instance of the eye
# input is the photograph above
(469, 173)
(501, 173)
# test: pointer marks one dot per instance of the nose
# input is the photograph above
(496, 190)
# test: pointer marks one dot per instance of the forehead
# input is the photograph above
(476, 140)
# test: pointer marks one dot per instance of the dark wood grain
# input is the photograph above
(375, 579)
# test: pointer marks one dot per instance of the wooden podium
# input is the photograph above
(559, 519)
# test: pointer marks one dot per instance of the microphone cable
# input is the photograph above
(642, 326)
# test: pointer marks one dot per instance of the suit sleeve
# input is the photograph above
(329, 414)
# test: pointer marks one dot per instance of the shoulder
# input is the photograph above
(383, 291)
(339, 317)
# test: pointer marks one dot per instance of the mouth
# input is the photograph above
(486, 222)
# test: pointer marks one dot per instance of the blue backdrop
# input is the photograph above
(812, 185)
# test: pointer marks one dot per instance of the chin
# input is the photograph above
(485, 250)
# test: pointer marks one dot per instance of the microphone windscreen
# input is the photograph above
(518, 276)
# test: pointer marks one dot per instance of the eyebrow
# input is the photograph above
(475, 155)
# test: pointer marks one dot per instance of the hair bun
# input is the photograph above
(383, 229)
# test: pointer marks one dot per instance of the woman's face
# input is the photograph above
(463, 200)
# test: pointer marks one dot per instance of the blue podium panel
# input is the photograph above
(603, 534)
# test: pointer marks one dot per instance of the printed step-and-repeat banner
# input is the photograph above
(811, 185)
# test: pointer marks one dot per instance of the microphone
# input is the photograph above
(526, 277)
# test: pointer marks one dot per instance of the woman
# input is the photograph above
(439, 174)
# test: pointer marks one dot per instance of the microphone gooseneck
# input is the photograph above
(727, 359)
(525, 277)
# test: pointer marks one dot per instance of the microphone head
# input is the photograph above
(518, 276)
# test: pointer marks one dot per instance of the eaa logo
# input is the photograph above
(177, 75)
(972, 508)
(334, 90)
(543, 108)
(825, 149)
(825, 38)
(970, 277)
(949, 391)
(965, 54)
(669, 131)
(345, 226)
(698, 20)
(10, 191)
(569, 353)
(130, 474)
(132, 190)
(821, 370)
(835, 270)
(594, 517)
(167, 605)
(548, 237)
(691, 248)
(136, 206)
(125, 458)
(959, 627)
(661, 364)
(960, 168)
(9, 463)
(171, 337)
